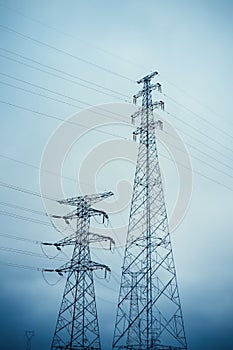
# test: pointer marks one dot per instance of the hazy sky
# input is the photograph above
(111, 44)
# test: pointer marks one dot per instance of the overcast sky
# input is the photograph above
(94, 51)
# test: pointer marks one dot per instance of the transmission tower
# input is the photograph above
(29, 335)
(77, 324)
(149, 314)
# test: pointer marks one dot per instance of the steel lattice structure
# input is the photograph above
(149, 314)
(77, 324)
(29, 335)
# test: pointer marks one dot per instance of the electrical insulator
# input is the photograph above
(160, 125)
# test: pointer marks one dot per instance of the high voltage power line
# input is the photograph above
(195, 171)
(28, 252)
(56, 118)
(69, 35)
(189, 144)
(58, 76)
(91, 105)
(78, 100)
(31, 220)
(115, 276)
(170, 134)
(18, 251)
(178, 103)
(25, 190)
(116, 92)
(28, 219)
(100, 49)
(202, 143)
(63, 72)
(28, 37)
(88, 104)
(97, 84)
(119, 115)
(199, 131)
(17, 238)
(25, 218)
(43, 88)
(59, 94)
(72, 179)
(40, 95)
(25, 252)
(14, 206)
(39, 269)
(13, 250)
(204, 153)
(26, 267)
(199, 117)
(200, 151)
(181, 150)
(105, 132)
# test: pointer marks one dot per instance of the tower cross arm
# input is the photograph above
(73, 239)
(87, 200)
(135, 97)
(79, 266)
(158, 104)
(78, 213)
(156, 86)
(147, 77)
(96, 212)
(95, 237)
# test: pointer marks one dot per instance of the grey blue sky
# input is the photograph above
(190, 44)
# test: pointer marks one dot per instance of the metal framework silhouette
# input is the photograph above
(149, 314)
(29, 335)
(77, 324)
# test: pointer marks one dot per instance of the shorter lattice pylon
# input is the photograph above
(29, 335)
(77, 324)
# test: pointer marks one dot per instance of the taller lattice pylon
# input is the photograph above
(149, 313)
(77, 323)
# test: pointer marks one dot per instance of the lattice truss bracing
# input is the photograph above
(149, 314)
(77, 324)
